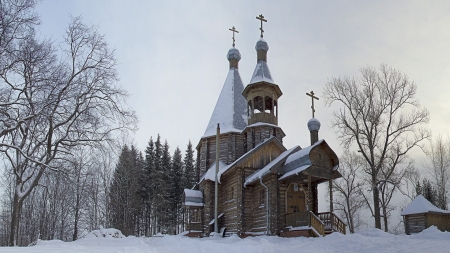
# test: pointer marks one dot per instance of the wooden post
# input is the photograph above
(330, 184)
(309, 194)
(216, 188)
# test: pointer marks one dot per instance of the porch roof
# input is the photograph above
(273, 164)
(300, 163)
(192, 198)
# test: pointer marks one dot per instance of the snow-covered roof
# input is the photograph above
(299, 158)
(231, 107)
(421, 205)
(193, 193)
(192, 198)
(261, 73)
(262, 124)
(211, 172)
(260, 173)
(294, 171)
(224, 168)
(243, 157)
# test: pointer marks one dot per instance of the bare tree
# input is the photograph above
(380, 115)
(59, 102)
(438, 166)
(348, 197)
(17, 21)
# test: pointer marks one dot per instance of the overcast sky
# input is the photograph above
(172, 55)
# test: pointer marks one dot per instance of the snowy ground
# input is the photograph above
(366, 241)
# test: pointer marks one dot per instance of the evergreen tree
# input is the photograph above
(428, 192)
(164, 187)
(190, 173)
(176, 189)
(149, 186)
(124, 198)
(157, 184)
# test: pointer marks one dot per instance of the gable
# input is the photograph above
(317, 160)
(259, 156)
(272, 165)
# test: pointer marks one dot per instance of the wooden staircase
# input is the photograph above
(310, 224)
(332, 223)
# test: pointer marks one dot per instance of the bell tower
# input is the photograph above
(262, 96)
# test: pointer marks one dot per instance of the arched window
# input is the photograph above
(258, 103)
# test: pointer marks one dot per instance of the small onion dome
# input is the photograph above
(262, 45)
(313, 124)
(233, 54)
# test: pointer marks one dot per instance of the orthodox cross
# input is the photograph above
(261, 17)
(233, 30)
(312, 100)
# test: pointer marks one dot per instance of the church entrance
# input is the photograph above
(295, 199)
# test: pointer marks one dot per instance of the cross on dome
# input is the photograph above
(261, 17)
(312, 101)
(234, 31)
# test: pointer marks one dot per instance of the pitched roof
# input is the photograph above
(300, 161)
(223, 169)
(421, 205)
(231, 107)
(261, 73)
(273, 164)
(192, 198)
(299, 158)
(211, 172)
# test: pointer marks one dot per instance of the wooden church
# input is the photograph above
(263, 187)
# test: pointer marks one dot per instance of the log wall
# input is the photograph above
(231, 148)
(416, 223)
(256, 135)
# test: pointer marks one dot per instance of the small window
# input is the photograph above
(232, 193)
(195, 215)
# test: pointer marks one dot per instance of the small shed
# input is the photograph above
(421, 214)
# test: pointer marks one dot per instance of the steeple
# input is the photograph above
(262, 96)
(231, 110)
(262, 93)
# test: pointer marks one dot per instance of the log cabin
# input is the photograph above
(421, 214)
(264, 188)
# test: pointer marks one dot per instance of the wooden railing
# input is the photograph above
(332, 222)
(307, 219)
(317, 224)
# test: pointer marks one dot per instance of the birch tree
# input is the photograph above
(56, 100)
(380, 116)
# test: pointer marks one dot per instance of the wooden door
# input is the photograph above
(295, 199)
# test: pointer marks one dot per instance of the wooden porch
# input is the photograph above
(309, 224)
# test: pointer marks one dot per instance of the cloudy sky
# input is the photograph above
(172, 54)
